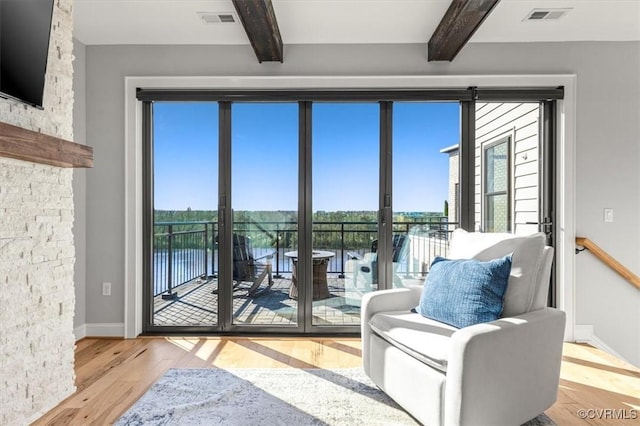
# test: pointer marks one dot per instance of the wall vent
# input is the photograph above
(217, 17)
(546, 14)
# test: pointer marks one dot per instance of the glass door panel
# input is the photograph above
(345, 157)
(425, 186)
(185, 192)
(507, 168)
(264, 188)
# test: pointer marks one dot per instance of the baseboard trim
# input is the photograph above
(99, 330)
(80, 332)
(583, 333)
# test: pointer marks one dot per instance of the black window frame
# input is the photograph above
(465, 203)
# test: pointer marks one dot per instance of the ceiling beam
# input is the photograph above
(261, 26)
(457, 26)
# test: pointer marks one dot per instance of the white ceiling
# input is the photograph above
(348, 21)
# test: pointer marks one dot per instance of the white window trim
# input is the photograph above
(565, 184)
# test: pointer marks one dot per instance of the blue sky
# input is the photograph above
(345, 139)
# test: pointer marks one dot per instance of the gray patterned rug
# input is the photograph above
(275, 396)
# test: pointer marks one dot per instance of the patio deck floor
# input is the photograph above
(197, 305)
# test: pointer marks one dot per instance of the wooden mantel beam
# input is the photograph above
(27, 145)
(261, 26)
(461, 20)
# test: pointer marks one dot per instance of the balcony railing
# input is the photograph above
(184, 251)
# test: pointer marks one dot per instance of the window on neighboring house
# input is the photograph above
(497, 207)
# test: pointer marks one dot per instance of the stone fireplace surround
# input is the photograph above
(37, 251)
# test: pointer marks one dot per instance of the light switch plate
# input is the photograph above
(608, 215)
(106, 289)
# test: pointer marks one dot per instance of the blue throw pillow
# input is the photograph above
(465, 292)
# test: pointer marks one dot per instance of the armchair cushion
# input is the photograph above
(527, 260)
(422, 338)
(465, 292)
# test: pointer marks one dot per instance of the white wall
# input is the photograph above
(607, 128)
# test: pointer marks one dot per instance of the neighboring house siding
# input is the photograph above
(520, 122)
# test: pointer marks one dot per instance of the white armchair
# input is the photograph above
(504, 372)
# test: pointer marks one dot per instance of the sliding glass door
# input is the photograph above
(345, 157)
(264, 188)
(425, 200)
(277, 212)
(184, 173)
(507, 167)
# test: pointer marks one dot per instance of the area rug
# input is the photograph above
(275, 396)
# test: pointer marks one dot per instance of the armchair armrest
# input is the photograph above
(352, 255)
(508, 368)
(369, 257)
(265, 256)
(396, 299)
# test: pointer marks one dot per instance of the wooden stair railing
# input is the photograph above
(608, 260)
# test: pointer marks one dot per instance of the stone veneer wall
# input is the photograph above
(37, 251)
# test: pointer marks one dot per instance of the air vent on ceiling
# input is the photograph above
(217, 17)
(546, 14)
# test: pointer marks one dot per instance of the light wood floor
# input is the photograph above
(112, 374)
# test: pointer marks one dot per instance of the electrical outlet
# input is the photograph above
(106, 289)
(608, 215)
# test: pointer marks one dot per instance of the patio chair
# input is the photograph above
(362, 271)
(247, 268)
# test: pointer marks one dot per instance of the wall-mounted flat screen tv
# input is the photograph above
(25, 26)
